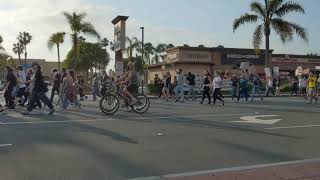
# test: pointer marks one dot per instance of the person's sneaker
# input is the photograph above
(52, 111)
(201, 102)
(222, 103)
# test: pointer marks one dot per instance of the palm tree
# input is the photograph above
(270, 15)
(133, 44)
(169, 46)
(1, 40)
(158, 50)
(149, 50)
(79, 26)
(18, 49)
(24, 39)
(56, 40)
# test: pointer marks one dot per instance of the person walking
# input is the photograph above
(235, 86)
(22, 78)
(217, 81)
(70, 89)
(39, 90)
(256, 89)
(10, 89)
(179, 91)
(278, 86)
(312, 87)
(207, 79)
(56, 84)
(166, 87)
(303, 86)
(158, 84)
(243, 88)
(270, 86)
(191, 84)
(294, 86)
(81, 84)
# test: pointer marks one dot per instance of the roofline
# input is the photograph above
(212, 49)
(119, 18)
(295, 56)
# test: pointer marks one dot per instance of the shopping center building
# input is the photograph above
(198, 59)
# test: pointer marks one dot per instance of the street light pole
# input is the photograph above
(142, 50)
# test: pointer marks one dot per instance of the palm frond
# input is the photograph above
(246, 18)
(299, 30)
(274, 5)
(257, 37)
(1, 39)
(282, 28)
(289, 7)
(88, 29)
(258, 8)
(51, 42)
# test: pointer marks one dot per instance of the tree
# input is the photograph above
(159, 49)
(79, 26)
(270, 14)
(90, 56)
(169, 46)
(1, 40)
(186, 45)
(149, 50)
(201, 46)
(56, 40)
(24, 39)
(18, 49)
(133, 45)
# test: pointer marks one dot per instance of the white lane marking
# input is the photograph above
(113, 119)
(190, 116)
(294, 127)
(6, 145)
(257, 120)
(226, 170)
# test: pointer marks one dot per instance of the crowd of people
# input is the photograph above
(242, 84)
(28, 88)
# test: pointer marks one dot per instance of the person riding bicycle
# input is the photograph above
(130, 82)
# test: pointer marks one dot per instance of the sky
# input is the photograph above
(193, 22)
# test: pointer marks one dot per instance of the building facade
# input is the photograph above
(197, 59)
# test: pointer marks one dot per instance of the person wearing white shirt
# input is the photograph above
(217, 81)
(22, 79)
(181, 80)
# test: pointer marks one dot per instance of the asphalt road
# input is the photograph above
(171, 138)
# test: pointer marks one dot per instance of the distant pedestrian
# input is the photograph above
(11, 88)
(243, 88)
(70, 90)
(217, 95)
(81, 85)
(191, 83)
(179, 91)
(294, 86)
(278, 87)
(270, 86)
(235, 86)
(22, 78)
(312, 87)
(158, 84)
(256, 88)
(207, 79)
(303, 86)
(56, 84)
(166, 86)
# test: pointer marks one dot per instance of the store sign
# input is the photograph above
(236, 58)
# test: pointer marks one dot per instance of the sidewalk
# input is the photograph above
(300, 171)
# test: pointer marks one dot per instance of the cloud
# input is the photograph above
(43, 17)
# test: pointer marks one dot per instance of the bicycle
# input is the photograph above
(115, 98)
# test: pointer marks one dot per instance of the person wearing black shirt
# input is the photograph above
(207, 79)
(158, 84)
(38, 91)
(191, 83)
(56, 84)
(10, 88)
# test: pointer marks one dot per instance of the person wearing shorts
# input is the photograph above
(312, 87)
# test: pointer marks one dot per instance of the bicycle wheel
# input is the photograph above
(109, 104)
(142, 105)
